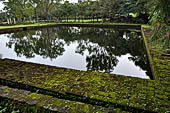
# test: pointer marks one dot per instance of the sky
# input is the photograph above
(1, 5)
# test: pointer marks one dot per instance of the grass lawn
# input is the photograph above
(89, 21)
(84, 20)
(26, 25)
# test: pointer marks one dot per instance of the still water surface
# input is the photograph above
(101, 49)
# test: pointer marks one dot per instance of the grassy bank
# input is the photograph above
(25, 25)
(54, 23)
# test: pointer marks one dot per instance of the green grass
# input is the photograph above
(84, 20)
(146, 26)
(90, 21)
(26, 25)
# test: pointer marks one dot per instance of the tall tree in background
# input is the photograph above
(67, 9)
(106, 7)
(17, 8)
(29, 8)
(46, 7)
(3, 16)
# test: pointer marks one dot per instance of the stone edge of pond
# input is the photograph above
(148, 52)
(159, 61)
(19, 28)
(13, 28)
(104, 25)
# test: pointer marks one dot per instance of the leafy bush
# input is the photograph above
(161, 22)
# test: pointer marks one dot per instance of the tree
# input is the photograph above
(29, 8)
(161, 22)
(135, 8)
(107, 7)
(132, 6)
(46, 7)
(3, 16)
(66, 9)
(18, 8)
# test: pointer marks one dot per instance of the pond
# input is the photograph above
(101, 49)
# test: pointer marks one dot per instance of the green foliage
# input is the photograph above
(161, 22)
(2, 109)
(30, 8)
(45, 9)
(18, 8)
(132, 6)
(15, 111)
(5, 107)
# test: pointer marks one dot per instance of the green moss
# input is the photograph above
(7, 90)
(148, 52)
(35, 96)
(45, 103)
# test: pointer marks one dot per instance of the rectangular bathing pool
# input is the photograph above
(101, 49)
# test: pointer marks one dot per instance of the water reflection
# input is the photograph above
(102, 48)
(1, 56)
(31, 43)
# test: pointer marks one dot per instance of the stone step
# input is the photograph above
(101, 89)
(37, 102)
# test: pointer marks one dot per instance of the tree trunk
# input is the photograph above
(36, 16)
(93, 19)
(97, 19)
(75, 18)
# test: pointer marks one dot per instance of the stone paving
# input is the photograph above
(49, 102)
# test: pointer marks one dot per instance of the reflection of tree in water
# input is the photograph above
(103, 45)
(49, 45)
(137, 52)
(101, 54)
(1, 56)
(100, 59)
(31, 43)
(97, 42)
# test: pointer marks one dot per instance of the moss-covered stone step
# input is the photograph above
(27, 102)
(161, 63)
(113, 90)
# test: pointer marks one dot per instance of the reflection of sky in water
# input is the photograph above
(128, 67)
(76, 61)
(73, 60)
